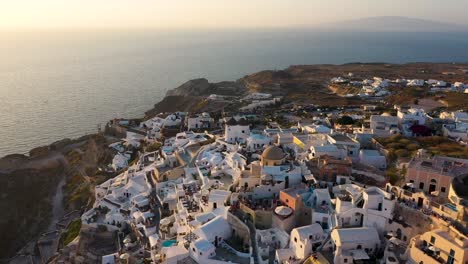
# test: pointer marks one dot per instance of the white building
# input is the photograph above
(325, 150)
(257, 96)
(174, 254)
(304, 240)
(236, 131)
(415, 82)
(372, 158)
(257, 142)
(172, 120)
(120, 161)
(202, 121)
(201, 250)
(215, 230)
(350, 146)
(358, 207)
(352, 244)
(384, 125)
(338, 80)
(319, 129)
(302, 243)
(413, 115)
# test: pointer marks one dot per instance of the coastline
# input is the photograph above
(302, 85)
(192, 92)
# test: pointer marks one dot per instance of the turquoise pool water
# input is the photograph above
(169, 243)
(451, 206)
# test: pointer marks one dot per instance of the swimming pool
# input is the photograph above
(169, 243)
(451, 206)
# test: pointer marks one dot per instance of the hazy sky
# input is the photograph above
(216, 13)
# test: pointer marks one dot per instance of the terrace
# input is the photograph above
(426, 253)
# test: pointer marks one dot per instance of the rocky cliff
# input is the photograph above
(191, 96)
(25, 203)
(28, 185)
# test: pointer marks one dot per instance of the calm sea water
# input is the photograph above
(62, 84)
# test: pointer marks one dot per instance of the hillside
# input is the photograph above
(308, 84)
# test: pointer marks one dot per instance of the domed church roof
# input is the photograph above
(273, 153)
(283, 211)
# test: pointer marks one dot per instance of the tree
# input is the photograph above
(345, 120)
(153, 147)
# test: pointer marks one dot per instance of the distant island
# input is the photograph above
(393, 24)
(70, 169)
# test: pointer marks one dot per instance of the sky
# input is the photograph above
(216, 13)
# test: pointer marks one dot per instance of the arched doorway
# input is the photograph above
(432, 185)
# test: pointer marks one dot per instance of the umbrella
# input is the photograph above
(433, 249)
(125, 256)
(395, 240)
(165, 221)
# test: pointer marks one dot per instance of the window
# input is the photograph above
(433, 240)
(442, 189)
(451, 257)
(421, 185)
(411, 181)
(350, 152)
(345, 260)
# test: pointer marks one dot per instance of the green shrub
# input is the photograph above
(72, 232)
(402, 153)
(404, 141)
(153, 147)
(102, 228)
(393, 175)
(412, 147)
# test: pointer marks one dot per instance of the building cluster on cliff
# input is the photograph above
(256, 187)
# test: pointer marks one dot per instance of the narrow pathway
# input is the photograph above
(57, 205)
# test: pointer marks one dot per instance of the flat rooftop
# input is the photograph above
(343, 138)
(295, 191)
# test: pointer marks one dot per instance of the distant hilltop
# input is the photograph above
(393, 23)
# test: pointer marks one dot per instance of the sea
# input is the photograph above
(63, 84)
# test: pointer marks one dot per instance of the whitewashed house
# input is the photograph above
(384, 125)
(304, 240)
(415, 82)
(372, 158)
(257, 142)
(302, 243)
(359, 207)
(201, 121)
(354, 244)
(236, 131)
(172, 120)
(201, 250)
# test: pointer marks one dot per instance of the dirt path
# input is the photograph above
(57, 205)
